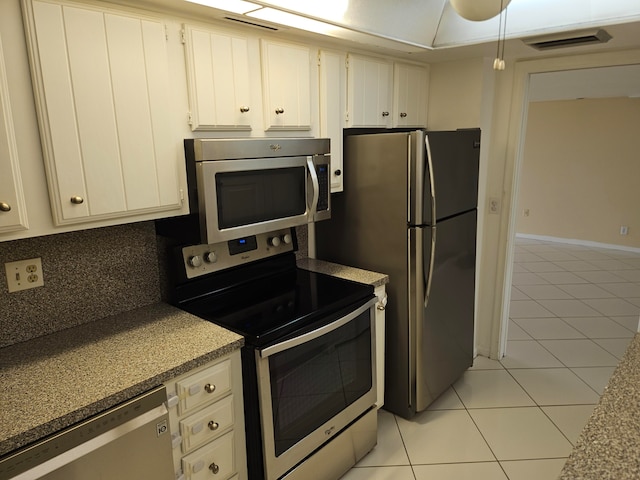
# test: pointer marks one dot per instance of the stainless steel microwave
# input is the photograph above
(246, 187)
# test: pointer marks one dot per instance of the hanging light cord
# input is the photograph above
(498, 63)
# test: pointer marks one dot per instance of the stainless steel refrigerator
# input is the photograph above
(409, 209)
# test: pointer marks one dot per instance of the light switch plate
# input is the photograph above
(24, 274)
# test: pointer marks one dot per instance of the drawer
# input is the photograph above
(207, 424)
(216, 460)
(204, 387)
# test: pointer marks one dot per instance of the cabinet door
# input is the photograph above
(218, 79)
(286, 86)
(13, 215)
(333, 106)
(369, 92)
(411, 88)
(102, 89)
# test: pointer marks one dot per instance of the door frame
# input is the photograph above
(514, 123)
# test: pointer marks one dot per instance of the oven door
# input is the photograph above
(314, 385)
(243, 197)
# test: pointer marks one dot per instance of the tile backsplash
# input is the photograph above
(88, 275)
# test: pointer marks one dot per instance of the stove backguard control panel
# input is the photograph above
(204, 259)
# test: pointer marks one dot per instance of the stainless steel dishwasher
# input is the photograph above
(130, 441)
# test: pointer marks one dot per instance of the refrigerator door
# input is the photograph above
(454, 157)
(444, 336)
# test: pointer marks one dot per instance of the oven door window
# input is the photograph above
(312, 382)
(249, 197)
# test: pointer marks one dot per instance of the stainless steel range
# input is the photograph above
(309, 356)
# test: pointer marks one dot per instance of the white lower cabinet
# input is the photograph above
(380, 292)
(207, 421)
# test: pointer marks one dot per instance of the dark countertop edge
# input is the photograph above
(52, 426)
(343, 271)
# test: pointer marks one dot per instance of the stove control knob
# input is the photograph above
(274, 241)
(210, 257)
(195, 261)
(286, 238)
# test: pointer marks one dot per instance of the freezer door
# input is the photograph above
(444, 336)
(454, 158)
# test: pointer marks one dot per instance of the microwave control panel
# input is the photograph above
(204, 259)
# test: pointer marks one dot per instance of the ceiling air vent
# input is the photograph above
(568, 39)
(251, 24)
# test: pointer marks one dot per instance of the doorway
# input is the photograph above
(532, 78)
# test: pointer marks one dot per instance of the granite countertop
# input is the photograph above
(54, 381)
(343, 271)
(609, 446)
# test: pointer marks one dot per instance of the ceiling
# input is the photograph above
(431, 31)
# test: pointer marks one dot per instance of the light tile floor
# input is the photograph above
(574, 310)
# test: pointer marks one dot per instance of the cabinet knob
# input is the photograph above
(403, 114)
(213, 426)
(244, 109)
(209, 388)
(5, 207)
(385, 114)
(338, 172)
(214, 468)
(77, 200)
(279, 110)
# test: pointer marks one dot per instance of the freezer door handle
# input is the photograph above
(429, 269)
(432, 182)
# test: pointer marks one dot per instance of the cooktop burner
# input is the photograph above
(271, 308)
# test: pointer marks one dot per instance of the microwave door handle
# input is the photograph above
(312, 335)
(316, 188)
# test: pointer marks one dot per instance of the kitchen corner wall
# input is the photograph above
(88, 275)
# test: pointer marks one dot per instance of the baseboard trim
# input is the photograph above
(575, 241)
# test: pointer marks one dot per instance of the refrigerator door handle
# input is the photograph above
(432, 257)
(432, 182)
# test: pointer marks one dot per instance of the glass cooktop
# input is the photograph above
(271, 309)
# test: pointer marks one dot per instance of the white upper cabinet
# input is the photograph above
(286, 86)
(333, 107)
(13, 215)
(411, 87)
(218, 80)
(101, 81)
(369, 92)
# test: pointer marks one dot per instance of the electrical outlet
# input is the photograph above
(494, 205)
(24, 274)
(624, 230)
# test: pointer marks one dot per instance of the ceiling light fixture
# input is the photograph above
(478, 10)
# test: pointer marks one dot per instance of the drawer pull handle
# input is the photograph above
(214, 468)
(213, 426)
(209, 388)
(279, 110)
(76, 200)
(244, 109)
(385, 114)
(5, 207)
(403, 115)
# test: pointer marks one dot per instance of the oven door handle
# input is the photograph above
(312, 335)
